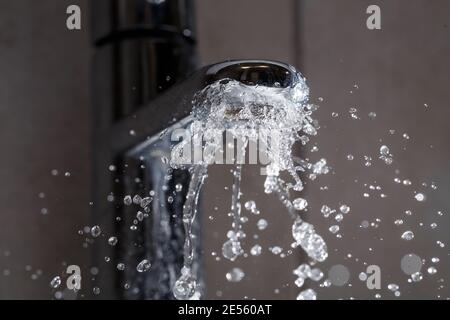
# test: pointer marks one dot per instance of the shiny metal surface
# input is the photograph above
(255, 72)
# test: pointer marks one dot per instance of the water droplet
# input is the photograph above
(256, 250)
(137, 199)
(302, 270)
(406, 136)
(56, 282)
(327, 283)
(385, 155)
(384, 150)
(320, 167)
(315, 274)
(276, 250)
(185, 287)
(145, 202)
(308, 294)
(121, 266)
(362, 276)
(411, 263)
(408, 235)
(339, 275)
(420, 197)
(235, 275)
(127, 200)
(344, 208)
(299, 282)
(350, 157)
(417, 276)
(326, 211)
(112, 241)
(231, 249)
(334, 229)
(393, 287)
(262, 224)
(96, 231)
(143, 266)
(432, 270)
(178, 187)
(300, 204)
(96, 290)
(251, 206)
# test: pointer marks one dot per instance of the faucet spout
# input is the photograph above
(176, 103)
(255, 72)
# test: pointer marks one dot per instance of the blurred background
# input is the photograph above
(400, 73)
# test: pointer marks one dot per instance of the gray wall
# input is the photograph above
(45, 125)
(397, 69)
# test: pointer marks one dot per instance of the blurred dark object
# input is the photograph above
(142, 47)
(145, 46)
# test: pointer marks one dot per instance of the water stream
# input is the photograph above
(273, 119)
(236, 125)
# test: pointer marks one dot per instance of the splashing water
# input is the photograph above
(231, 249)
(186, 286)
(56, 282)
(143, 266)
(276, 118)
